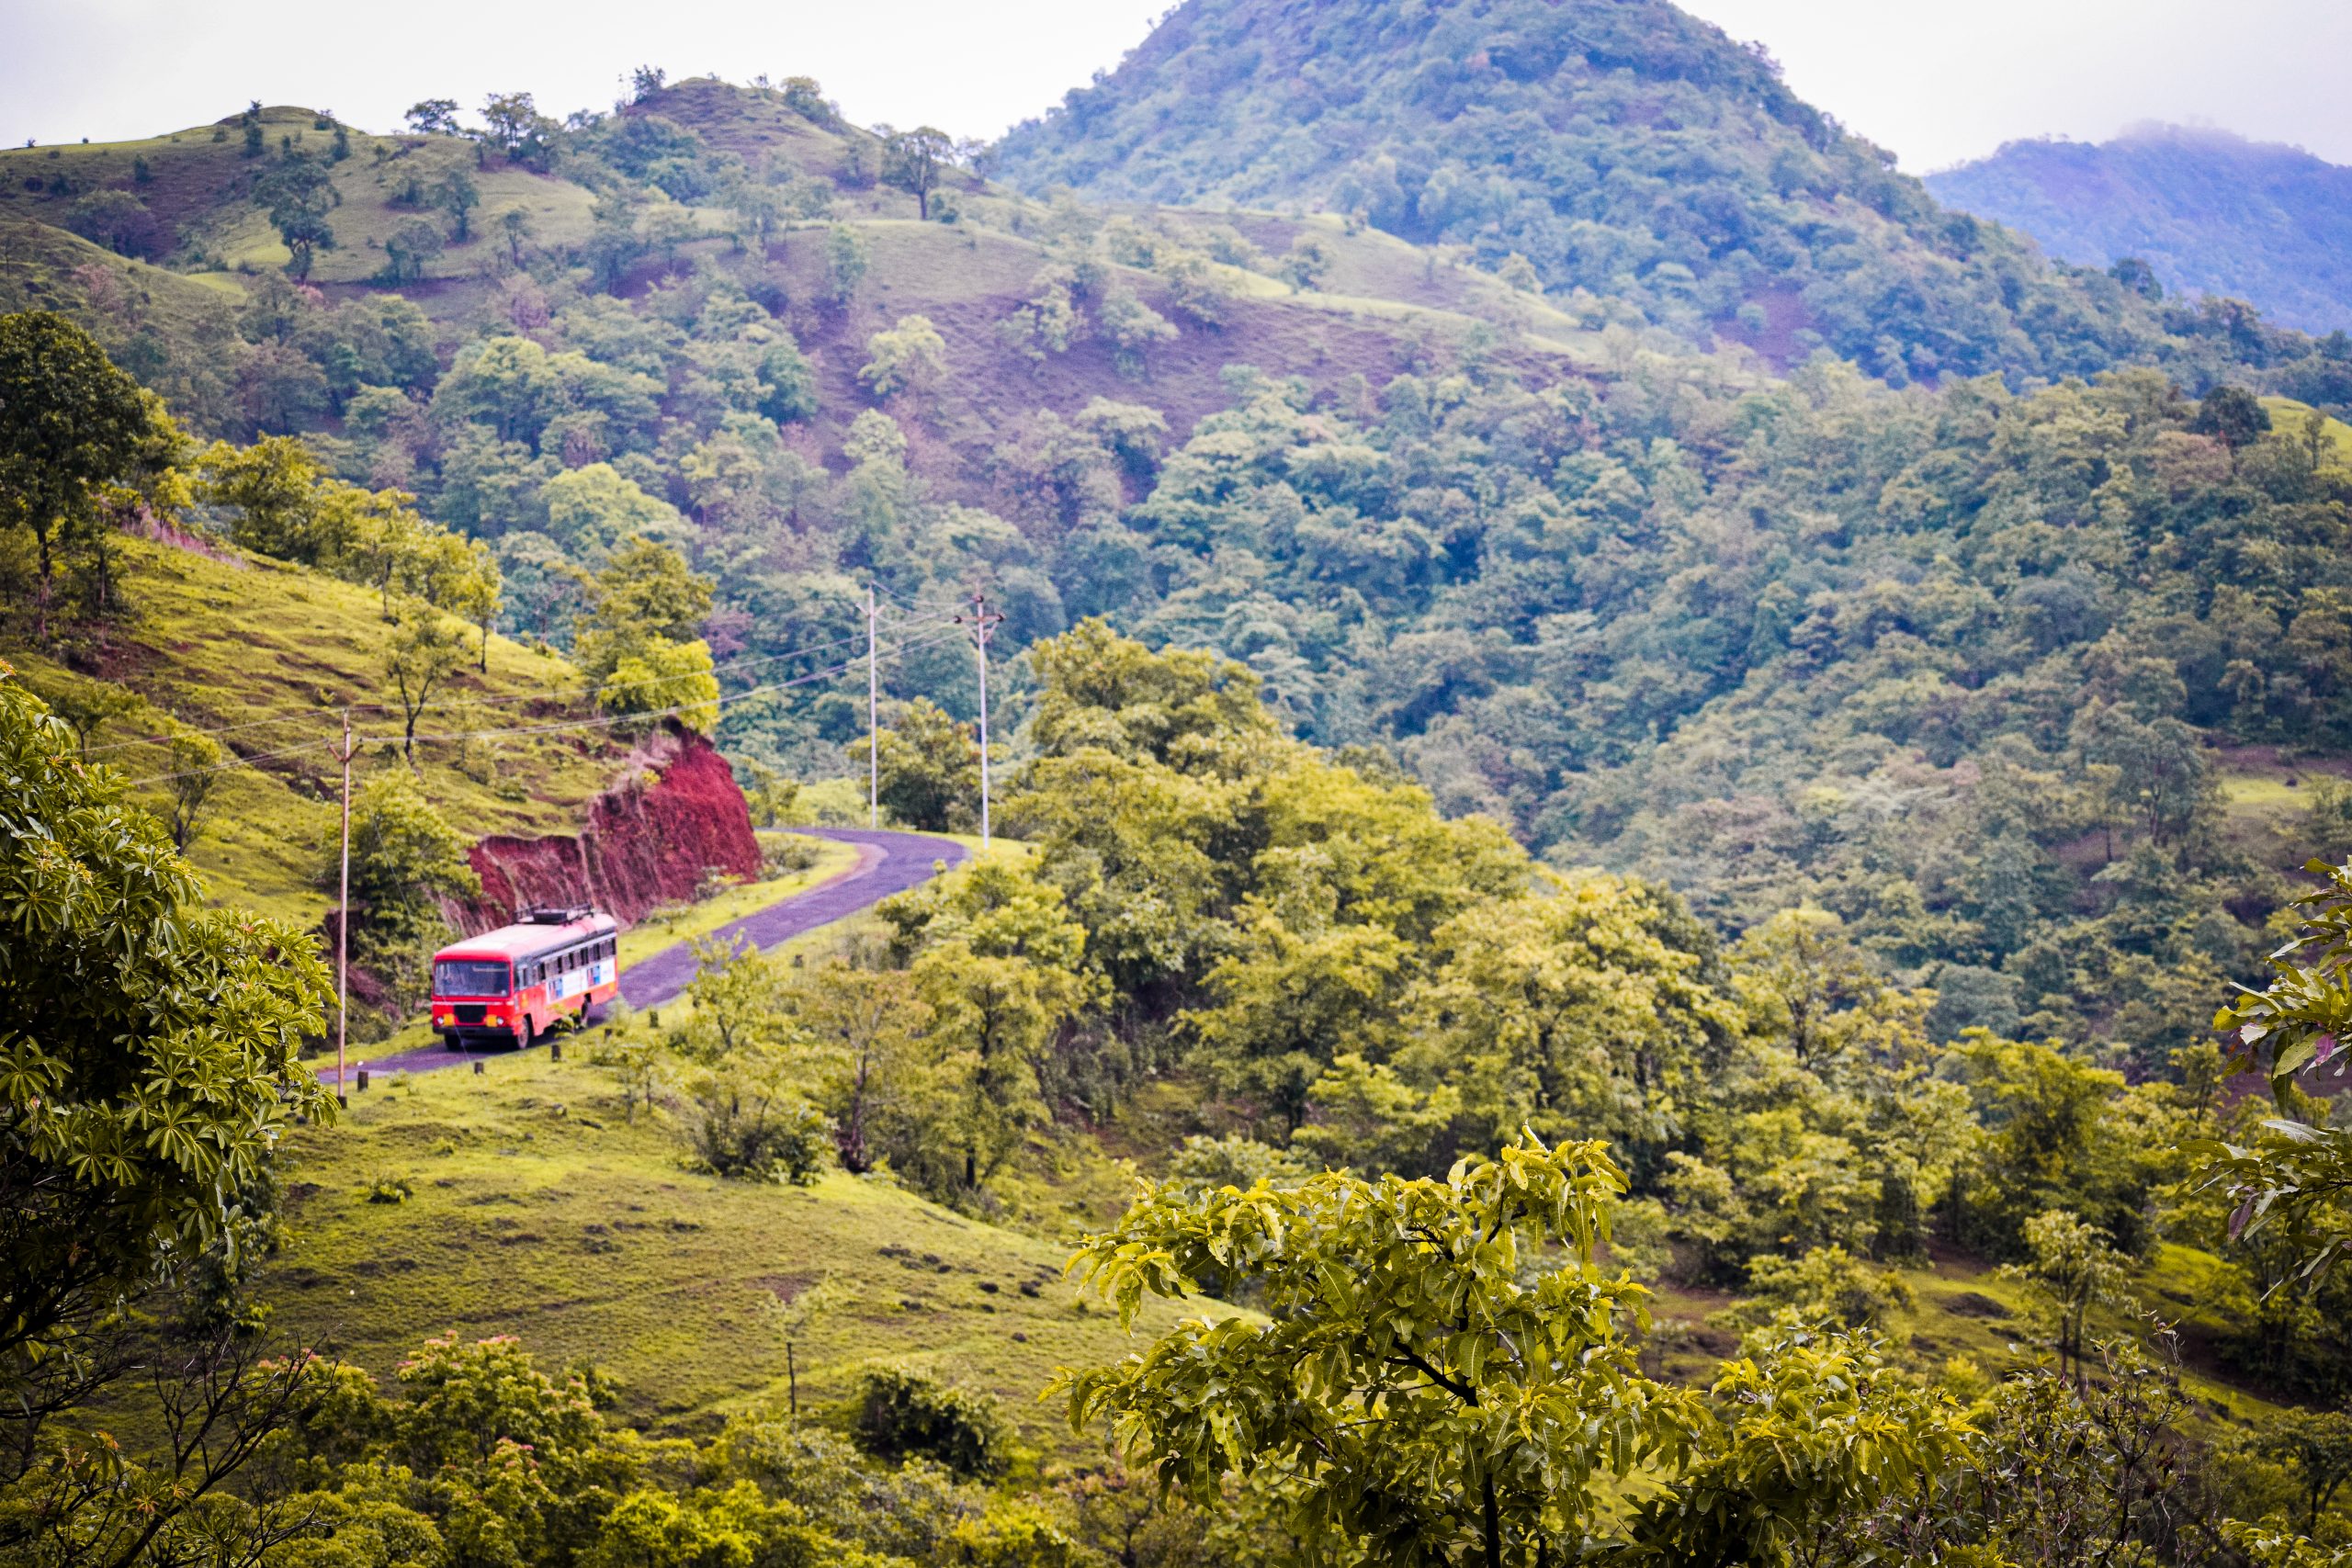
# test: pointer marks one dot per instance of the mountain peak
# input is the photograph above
(1625, 148)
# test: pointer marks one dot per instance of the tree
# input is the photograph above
(434, 116)
(410, 249)
(424, 649)
(275, 486)
(915, 161)
(458, 195)
(744, 1058)
(845, 264)
(149, 1058)
(197, 764)
(1132, 328)
(2233, 416)
(902, 1414)
(911, 357)
(115, 218)
(87, 706)
(645, 592)
(515, 129)
(671, 680)
(299, 194)
(929, 767)
(515, 225)
(70, 424)
(866, 1027)
(477, 596)
(2317, 1445)
(1409, 1398)
(405, 859)
(2073, 1269)
(1813, 1434)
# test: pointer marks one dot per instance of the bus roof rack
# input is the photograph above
(556, 914)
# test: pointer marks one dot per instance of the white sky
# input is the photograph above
(1937, 81)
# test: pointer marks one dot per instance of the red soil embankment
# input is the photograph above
(675, 815)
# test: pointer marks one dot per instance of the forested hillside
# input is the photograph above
(2208, 213)
(1768, 639)
(1635, 760)
(1628, 155)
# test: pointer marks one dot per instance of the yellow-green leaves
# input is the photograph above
(1404, 1388)
(147, 1046)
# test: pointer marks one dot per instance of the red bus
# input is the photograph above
(514, 982)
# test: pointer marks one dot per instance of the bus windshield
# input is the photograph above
(469, 977)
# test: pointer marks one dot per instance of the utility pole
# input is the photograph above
(343, 927)
(873, 723)
(982, 620)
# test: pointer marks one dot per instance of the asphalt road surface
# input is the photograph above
(887, 863)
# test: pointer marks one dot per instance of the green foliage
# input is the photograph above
(1829, 1286)
(645, 606)
(147, 1052)
(1407, 1394)
(405, 858)
(299, 193)
(1132, 327)
(669, 680)
(901, 1414)
(2317, 1445)
(930, 768)
(999, 964)
(2071, 1267)
(2298, 1170)
(1812, 1429)
(423, 650)
(1532, 128)
(70, 424)
(916, 161)
(744, 1066)
(909, 357)
(846, 261)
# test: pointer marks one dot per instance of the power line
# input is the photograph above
(726, 667)
(605, 721)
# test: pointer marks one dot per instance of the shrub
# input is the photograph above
(1829, 1284)
(740, 1123)
(902, 1413)
(390, 1189)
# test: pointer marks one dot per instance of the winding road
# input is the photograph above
(887, 863)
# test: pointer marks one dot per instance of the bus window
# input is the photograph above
(469, 977)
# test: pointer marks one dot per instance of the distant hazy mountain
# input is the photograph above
(2212, 213)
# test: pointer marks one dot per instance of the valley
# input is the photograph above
(1423, 789)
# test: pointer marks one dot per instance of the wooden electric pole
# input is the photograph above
(343, 927)
(982, 620)
(873, 722)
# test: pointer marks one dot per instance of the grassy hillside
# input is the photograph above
(2211, 212)
(219, 639)
(540, 1210)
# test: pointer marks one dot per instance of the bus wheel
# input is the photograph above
(525, 1035)
(449, 1040)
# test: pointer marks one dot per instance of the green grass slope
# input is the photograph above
(222, 638)
(540, 1211)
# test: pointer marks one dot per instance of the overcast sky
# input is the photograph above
(1936, 82)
